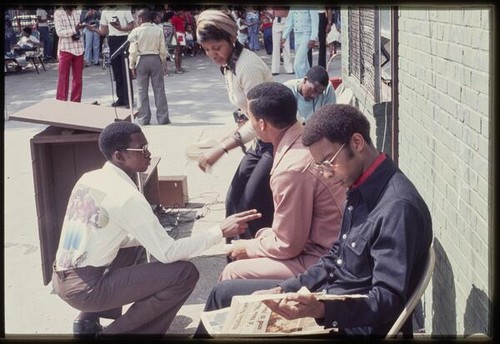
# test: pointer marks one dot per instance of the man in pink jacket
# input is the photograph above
(308, 207)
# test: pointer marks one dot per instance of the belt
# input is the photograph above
(83, 271)
(149, 54)
(61, 274)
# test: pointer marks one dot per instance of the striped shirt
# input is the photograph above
(65, 25)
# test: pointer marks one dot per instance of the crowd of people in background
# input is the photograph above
(77, 37)
(256, 27)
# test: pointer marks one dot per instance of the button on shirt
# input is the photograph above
(65, 26)
(107, 212)
(146, 39)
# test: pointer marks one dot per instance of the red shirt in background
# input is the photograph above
(178, 23)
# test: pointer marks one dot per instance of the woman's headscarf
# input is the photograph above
(220, 20)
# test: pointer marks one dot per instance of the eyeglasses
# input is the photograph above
(328, 163)
(143, 149)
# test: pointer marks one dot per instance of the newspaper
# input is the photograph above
(249, 316)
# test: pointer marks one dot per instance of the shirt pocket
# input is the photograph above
(356, 256)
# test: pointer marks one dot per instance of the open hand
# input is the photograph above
(237, 223)
(206, 160)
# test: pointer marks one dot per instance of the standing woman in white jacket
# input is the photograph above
(242, 70)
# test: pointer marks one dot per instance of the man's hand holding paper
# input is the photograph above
(297, 305)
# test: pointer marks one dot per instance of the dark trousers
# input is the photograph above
(250, 187)
(118, 66)
(156, 290)
(323, 21)
(223, 292)
(268, 40)
(46, 40)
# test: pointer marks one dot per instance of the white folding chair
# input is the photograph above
(415, 297)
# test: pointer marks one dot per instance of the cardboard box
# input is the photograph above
(173, 191)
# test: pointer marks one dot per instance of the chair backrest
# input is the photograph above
(417, 294)
(344, 96)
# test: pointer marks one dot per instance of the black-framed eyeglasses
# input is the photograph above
(329, 162)
(144, 149)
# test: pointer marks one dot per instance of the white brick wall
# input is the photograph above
(444, 147)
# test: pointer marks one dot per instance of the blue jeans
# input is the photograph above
(92, 42)
(253, 37)
(301, 63)
(268, 40)
(46, 39)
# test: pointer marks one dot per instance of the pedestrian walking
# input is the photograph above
(280, 52)
(304, 24)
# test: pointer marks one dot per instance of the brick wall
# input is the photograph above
(445, 77)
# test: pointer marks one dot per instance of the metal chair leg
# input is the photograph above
(32, 59)
(41, 61)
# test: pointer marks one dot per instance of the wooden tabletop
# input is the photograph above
(71, 115)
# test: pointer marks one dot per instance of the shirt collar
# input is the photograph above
(382, 169)
(291, 135)
(235, 55)
(369, 171)
(108, 166)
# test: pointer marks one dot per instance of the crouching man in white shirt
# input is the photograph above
(106, 220)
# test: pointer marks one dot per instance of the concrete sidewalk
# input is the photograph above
(199, 110)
